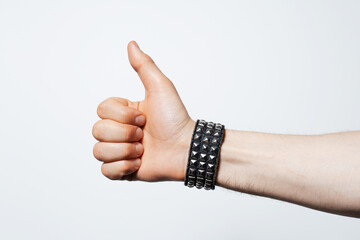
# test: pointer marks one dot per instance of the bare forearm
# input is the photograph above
(319, 171)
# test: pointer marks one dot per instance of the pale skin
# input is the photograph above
(149, 140)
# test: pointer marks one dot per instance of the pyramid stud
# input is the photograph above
(193, 162)
(208, 131)
(205, 147)
(197, 136)
(210, 167)
(194, 154)
(191, 171)
(217, 134)
(202, 165)
(201, 173)
(196, 146)
(199, 129)
(215, 141)
(206, 140)
(214, 149)
(212, 158)
(202, 156)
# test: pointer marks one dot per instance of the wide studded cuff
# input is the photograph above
(204, 154)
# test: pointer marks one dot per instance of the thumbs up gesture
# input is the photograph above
(144, 140)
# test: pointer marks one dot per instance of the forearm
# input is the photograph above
(320, 171)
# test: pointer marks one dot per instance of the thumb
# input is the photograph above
(150, 75)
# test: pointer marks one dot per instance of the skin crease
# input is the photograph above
(318, 171)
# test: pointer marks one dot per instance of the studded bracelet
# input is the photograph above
(204, 154)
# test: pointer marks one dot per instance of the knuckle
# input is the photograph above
(97, 151)
(147, 60)
(128, 150)
(101, 109)
(129, 132)
(98, 129)
(129, 167)
(105, 171)
(115, 99)
(104, 106)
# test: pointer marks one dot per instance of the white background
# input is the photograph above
(272, 66)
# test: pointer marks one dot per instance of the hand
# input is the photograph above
(157, 151)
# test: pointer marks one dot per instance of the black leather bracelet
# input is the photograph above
(204, 154)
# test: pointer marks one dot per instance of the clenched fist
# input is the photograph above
(144, 140)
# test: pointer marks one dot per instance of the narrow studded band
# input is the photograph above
(204, 155)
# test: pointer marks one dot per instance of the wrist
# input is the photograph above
(183, 150)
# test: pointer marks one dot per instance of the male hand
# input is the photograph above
(144, 140)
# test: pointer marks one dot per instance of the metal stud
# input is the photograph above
(212, 158)
(197, 136)
(218, 126)
(196, 146)
(213, 149)
(215, 141)
(192, 171)
(210, 167)
(193, 162)
(201, 173)
(210, 125)
(208, 183)
(206, 140)
(199, 185)
(191, 179)
(205, 147)
(199, 129)
(202, 156)
(202, 123)
(194, 154)
(209, 175)
(191, 182)
(202, 165)
(199, 182)
(208, 131)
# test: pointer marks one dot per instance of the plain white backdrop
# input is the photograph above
(272, 66)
